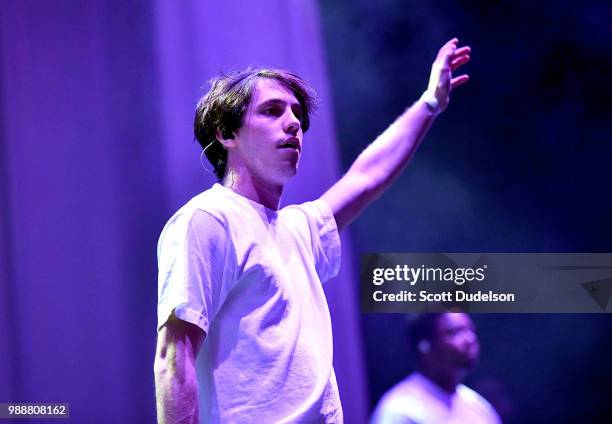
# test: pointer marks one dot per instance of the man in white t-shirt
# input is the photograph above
(447, 349)
(244, 332)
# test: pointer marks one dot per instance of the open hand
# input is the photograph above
(441, 81)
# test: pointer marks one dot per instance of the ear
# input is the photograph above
(228, 141)
(424, 346)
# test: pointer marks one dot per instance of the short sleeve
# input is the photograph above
(325, 238)
(191, 260)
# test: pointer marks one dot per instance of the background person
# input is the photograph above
(447, 349)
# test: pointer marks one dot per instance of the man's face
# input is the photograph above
(455, 343)
(269, 142)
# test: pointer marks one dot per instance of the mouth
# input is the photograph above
(291, 143)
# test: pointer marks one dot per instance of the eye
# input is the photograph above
(271, 111)
(297, 111)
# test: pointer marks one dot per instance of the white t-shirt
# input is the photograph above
(418, 400)
(250, 277)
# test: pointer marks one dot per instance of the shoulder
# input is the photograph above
(316, 214)
(404, 389)
(202, 214)
(214, 202)
(477, 402)
(315, 209)
(470, 395)
(402, 399)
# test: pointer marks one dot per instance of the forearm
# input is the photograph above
(385, 159)
(176, 385)
(177, 399)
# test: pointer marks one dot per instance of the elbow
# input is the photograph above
(160, 364)
(371, 181)
(368, 186)
(161, 372)
(159, 367)
(171, 368)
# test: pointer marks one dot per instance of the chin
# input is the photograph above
(281, 178)
(469, 364)
(286, 174)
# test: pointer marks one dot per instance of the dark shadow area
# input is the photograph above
(518, 163)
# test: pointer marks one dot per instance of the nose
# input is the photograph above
(292, 124)
(471, 338)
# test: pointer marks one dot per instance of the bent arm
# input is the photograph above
(384, 160)
(176, 385)
(378, 165)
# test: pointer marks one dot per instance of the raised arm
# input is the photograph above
(383, 160)
(176, 385)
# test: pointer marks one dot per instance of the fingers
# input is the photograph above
(450, 58)
(450, 51)
(456, 57)
(465, 50)
(452, 41)
(456, 63)
(457, 81)
(447, 49)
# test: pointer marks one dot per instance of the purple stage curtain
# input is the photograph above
(96, 153)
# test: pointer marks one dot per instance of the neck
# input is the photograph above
(253, 188)
(446, 380)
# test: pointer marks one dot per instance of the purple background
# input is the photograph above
(96, 153)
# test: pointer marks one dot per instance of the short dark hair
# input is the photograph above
(224, 106)
(421, 327)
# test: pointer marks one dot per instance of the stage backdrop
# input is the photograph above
(96, 154)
